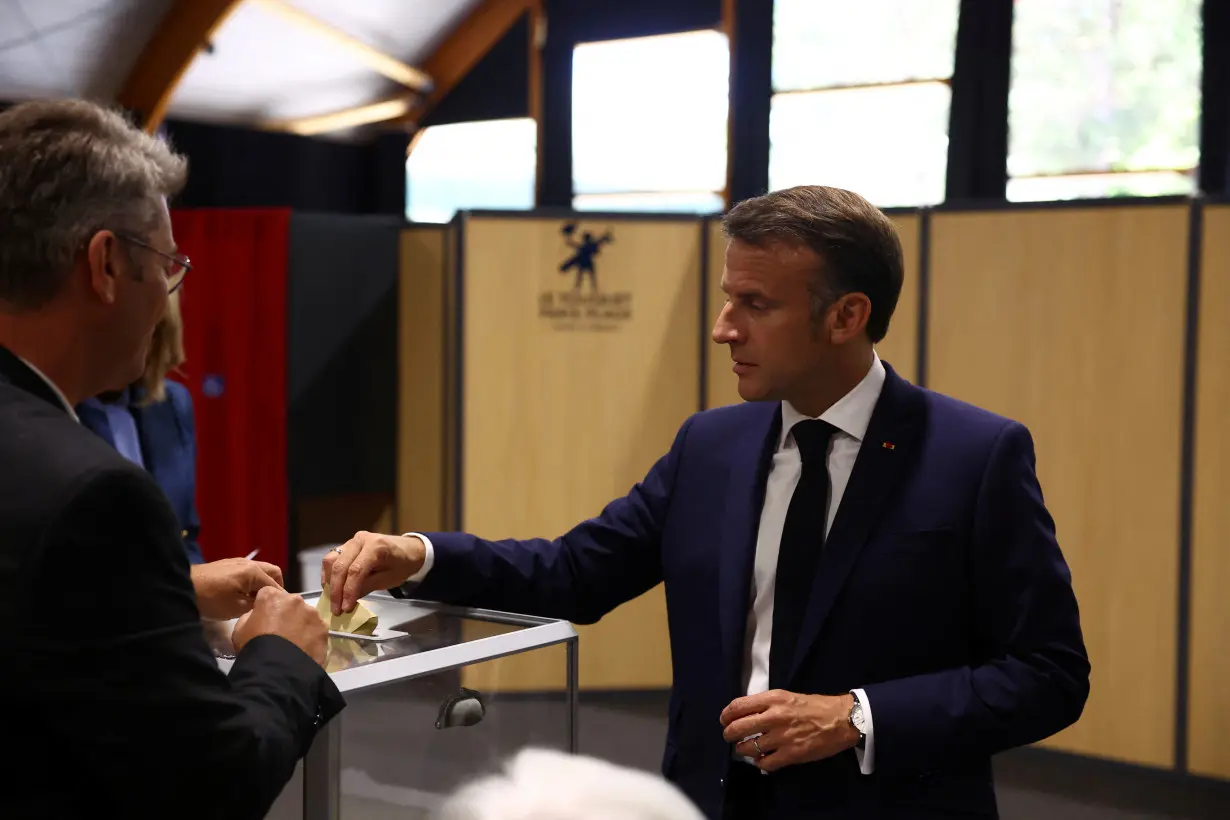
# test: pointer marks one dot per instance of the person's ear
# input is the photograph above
(104, 258)
(848, 317)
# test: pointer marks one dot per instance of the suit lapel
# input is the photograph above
(886, 450)
(750, 458)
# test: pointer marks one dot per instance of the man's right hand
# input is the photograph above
(369, 562)
(278, 612)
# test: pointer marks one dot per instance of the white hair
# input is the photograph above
(539, 784)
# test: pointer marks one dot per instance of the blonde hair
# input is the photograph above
(166, 352)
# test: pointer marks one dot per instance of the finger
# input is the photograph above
(273, 571)
(744, 706)
(266, 595)
(357, 575)
(326, 567)
(777, 759)
(239, 633)
(779, 751)
(748, 726)
(341, 564)
(256, 579)
(749, 748)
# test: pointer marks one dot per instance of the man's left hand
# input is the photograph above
(792, 728)
(226, 589)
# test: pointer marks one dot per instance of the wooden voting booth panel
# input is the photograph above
(899, 347)
(1072, 322)
(572, 386)
(1208, 712)
(425, 363)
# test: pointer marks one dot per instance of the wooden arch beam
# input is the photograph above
(184, 31)
(467, 44)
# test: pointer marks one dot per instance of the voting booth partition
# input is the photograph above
(290, 330)
(574, 343)
(1103, 327)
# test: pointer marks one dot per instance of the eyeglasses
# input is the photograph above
(175, 273)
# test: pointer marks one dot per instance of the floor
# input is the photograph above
(387, 727)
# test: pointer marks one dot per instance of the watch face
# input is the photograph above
(856, 716)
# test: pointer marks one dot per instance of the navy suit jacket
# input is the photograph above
(167, 430)
(941, 591)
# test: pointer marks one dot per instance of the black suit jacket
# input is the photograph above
(115, 704)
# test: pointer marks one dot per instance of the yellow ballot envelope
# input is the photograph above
(362, 621)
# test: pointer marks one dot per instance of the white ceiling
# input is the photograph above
(262, 66)
(72, 47)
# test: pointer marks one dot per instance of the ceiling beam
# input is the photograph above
(348, 118)
(184, 31)
(448, 65)
(466, 45)
(378, 61)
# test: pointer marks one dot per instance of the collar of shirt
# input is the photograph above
(851, 413)
(63, 401)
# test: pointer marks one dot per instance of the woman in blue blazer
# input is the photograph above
(151, 423)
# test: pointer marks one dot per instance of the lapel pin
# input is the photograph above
(888, 445)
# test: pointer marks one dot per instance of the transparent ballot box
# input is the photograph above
(438, 696)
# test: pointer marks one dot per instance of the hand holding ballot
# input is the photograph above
(226, 589)
(366, 563)
(278, 612)
(362, 621)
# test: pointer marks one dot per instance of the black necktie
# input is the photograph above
(802, 540)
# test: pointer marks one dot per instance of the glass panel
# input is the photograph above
(1100, 85)
(1097, 186)
(819, 43)
(471, 165)
(693, 202)
(888, 144)
(406, 747)
(649, 114)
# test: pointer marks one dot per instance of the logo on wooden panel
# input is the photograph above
(586, 305)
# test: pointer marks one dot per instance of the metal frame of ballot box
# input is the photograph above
(322, 765)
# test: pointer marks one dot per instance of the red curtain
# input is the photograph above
(234, 309)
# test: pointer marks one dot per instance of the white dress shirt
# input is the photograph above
(850, 415)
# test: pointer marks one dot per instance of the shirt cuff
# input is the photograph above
(429, 558)
(867, 754)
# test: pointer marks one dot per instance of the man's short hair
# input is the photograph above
(68, 169)
(545, 785)
(857, 243)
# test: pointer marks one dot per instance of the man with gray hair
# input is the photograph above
(120, 709)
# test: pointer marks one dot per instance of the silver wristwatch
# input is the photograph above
(858, 721)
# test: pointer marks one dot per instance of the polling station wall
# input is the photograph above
(1072, 321)
(578, 346)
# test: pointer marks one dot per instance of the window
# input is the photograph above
(1105, 98)
(649, 123)
(471, 165)
(862, 96)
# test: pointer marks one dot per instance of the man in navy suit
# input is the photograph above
(866, 599)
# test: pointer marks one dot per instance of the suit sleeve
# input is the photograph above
(123, 665)
(192, 524)
(580, 576)
(1033, 675)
